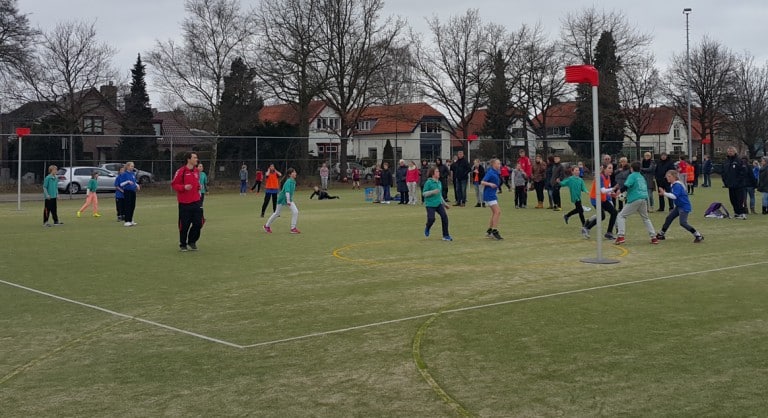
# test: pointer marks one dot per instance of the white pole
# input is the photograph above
(18, 177)
(687, 11)
(596, 151)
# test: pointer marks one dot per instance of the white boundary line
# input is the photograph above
(506, 302)
(375, 324)
(122, 315)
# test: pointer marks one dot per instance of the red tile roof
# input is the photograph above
(477, 123)
(176, 127)
(287, 112)
(561, 114)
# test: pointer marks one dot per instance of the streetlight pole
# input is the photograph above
(686, 12)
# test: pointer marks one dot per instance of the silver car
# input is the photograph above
(75, 179)
(142, 176)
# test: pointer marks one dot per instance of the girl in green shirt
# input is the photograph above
(91, 198)
(433, 201)
(285, 198)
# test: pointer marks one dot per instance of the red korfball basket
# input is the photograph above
(582, 74)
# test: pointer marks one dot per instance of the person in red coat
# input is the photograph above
(186, 183)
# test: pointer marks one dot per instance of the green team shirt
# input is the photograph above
(51, 187)
(93, 184)
(576, 186)
(637, 188)
(288, 187)
(436, 199)
(203, 182)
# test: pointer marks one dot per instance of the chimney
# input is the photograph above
(109, 92)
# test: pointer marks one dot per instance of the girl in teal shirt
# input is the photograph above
(433, 201)
(286, 198)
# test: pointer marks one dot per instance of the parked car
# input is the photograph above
(142, 176)
(365, 172)
(75, 179)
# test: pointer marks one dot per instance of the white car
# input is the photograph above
(142, 176)
(75, 179)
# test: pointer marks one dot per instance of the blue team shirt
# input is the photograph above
(681, 197)
(491, 176)
(127, 181)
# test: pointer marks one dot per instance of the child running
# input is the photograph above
(91, 199)
(491, 182)
(637, 202)
(682, 207)
(606, 205)
(576, 186)
(433, 201)
(285, 198)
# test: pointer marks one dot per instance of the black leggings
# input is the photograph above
(578, 209)
(50, 209)
(267, 196)
(443, 218)
(606, 206)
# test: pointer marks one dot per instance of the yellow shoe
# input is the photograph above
(78, 213)
(96, 215)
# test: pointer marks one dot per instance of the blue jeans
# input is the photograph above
(243, 186)
(443, 218)
(707, 180)
(461, 191)
(387, 196)
(765, 200)
(751, 194)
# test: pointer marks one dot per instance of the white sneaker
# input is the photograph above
(134, 223)
(128, 224)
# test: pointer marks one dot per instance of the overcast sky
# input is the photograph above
(133, 26)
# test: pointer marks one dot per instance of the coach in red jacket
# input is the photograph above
(186, 183)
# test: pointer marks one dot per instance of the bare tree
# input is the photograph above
(214, 33)
(538, 83)
(68, 63)
(456, 69)
(712, 68)
(639, 94)
(395, 81)
(582, 29)
(16, 38)
(356, 46)
(747, 105)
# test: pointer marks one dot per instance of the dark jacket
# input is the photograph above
(461, 169)
(661, 172)
(558, 173)
(423, 173)
(480, 174)
(648, 170)
(762, 180)
(400, 174)
(707, 167)
(386, 177)
(734, 172)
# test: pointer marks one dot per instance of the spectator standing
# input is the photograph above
(386, 181)
(444, 173)
(648, 170)
(505, 177)
(377, 183)
(696, 164)
(258, 178)
(762, 183)
(355, 178)
(662, 166)
(130, 186)
(521, 191)
(558, 174)
(539, 171)
(478, 172)
(402, 184)
(525, 163)
(548, 180)
(621, 176)
(412, 182)
(51, 194)
(461, 169)
(706, 170)
(750, 184)
(324, 174)
(188, 186)
(243, 179)
(734, 176)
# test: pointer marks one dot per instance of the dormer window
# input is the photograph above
(93, 125)
(365, 125)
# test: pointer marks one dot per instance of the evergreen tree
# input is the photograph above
(388, 154)
(497, 119)
(137, 120)
(611, 122)
(240, 105)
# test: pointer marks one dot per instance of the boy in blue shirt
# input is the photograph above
(682, 207)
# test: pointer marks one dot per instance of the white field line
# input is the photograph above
(375, 324)
(122, 315)
(506, 302)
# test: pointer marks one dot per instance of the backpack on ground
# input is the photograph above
(717, 210)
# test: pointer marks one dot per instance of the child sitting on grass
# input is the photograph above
(321, 194)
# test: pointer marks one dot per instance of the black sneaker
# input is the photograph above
(489, 233)
(496, 235)
(193, 247)
(609, 236)
(183, 248)
(660, 236)
(698, 239)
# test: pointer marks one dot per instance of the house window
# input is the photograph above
(328, 123)
(517, 132)
(158, 128)
(93, 125)
(365, 125)
(373, 154)
(677, 149)
(676, 133)
(398, 153)
(430, 127)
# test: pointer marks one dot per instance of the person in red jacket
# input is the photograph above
(525, 164)
(186, 183)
